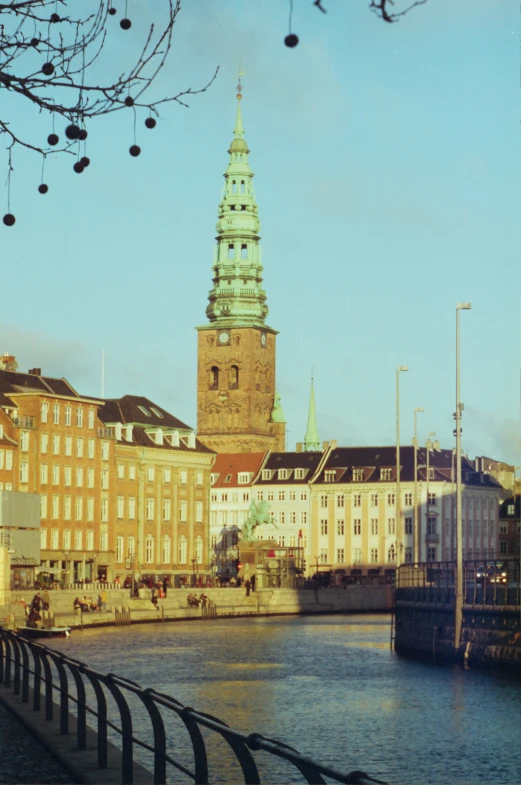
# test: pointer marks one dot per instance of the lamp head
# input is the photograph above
(419, 409)
(403, 368)
(463, 307)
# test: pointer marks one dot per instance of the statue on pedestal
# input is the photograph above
(258, 515)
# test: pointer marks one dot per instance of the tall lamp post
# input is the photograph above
(416, 530)
(458, 606)
(398, 529)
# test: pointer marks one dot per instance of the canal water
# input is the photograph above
(330, 687)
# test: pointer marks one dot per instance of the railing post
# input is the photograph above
(102, 717)
(127, 752)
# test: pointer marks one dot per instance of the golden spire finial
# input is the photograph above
(241, 73)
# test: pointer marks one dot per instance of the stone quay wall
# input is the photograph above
(490, 635)
(226, 602)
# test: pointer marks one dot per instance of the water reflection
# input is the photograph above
(329, 686)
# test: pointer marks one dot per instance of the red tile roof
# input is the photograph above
(232, 464)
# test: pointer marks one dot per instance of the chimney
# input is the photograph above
(325, 446)
(298, 447)
(333, 444)
(35, 371)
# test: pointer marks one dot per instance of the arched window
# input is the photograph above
(244, 251)
(166, 550)
(214, 377)
(199, 548)
(231, 252)
(149, 550)
(234, 186)
(243, 187)
(183, 550)
(234, 377)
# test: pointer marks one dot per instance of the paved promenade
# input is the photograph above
(23, 759)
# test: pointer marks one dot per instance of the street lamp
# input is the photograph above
(66, 570)
(130, 564)
(416, 535)
(316, 559)
(398, 529)
(194, 571)
(458, 606)
(429, 444)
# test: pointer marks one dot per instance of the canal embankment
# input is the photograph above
(219, 603)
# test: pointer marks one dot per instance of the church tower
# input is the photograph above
(238, 409)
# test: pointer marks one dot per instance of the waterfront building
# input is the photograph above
(353, 509)
(510, 527)
(238, 408)
(230, 501)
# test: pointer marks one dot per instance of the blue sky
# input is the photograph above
(388, 181)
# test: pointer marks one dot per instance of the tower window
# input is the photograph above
(214, 377)
(231, 252)
(244, 251)
(243, 187)
(234, 186)
(234, 377)
(243, 207)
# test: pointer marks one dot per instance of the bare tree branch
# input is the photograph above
(381, 8)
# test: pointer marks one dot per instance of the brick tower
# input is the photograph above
(238, 409)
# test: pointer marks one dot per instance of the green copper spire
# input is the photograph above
(237, 297)
(311, 439)
(277, 413)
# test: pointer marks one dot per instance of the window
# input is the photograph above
(91, 418)
(408, 526)
(260, 496)
(323, 526)
(68, 415)
(234, 377)
(44, 442)
(510, 509)
(323, 555)
(304, 517)
(357, 500)
(132, 472)
(303, 496)
(431, 526)
(167, 474)
(24, 441)
(79, 447)
(340, 527)
(503, 546)
(299, 474)
(144, 410)
(408, 555)
(391, 553)
(281, 496)
(104, 510)
(43, 539)
(246, 497)
(391, 499)
(8, 460)
(374, 500)
(432, 499)
(374, 525)
(183, 477)
(386, 474)
(503, 528)
(104, 541)
(131, 546)
(323, 501)
(105, 479)
(330, 475)
(56, 414)
(43, 505)
(121, 471)
(79, 417)
(340, 500)
(78, 540)
(55, 475)
(292, 496)
(167, 509)
(198, 512)
(67, 476)
(266, 474)
(281, 541)
(90, 478)
(183, 510)
(55, 507)
(358, 475)
(293, 517)
(120, 506)
(199, 478)
(199, 548)
(270, 496)
(391, 526)
(67, 508)
(79, 477)
(282, 518)
(79, 508)
(91, 448)
(357, 555)
(183, 550)
(151, 473)
(131, 508)
(24, 471)
(149, 549)
(90, 509)
(431, 556)
(104, 451)
(408, 498)
(150, 509)
(374, 556)
(55, 444)
(166, 549)
(68, 446)
(357, 526)
(340, 556)
(55, 539)
(44, 411)
(119, 549)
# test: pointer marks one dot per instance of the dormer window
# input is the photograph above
(386, 474)
(510, 509)
(282, 474)
(299, 474)
(159, 436)
(228, 478)
(244, 478)
(329, 475)
(213, 478)
(266, 474)
(358, 475)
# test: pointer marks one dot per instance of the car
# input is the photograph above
(496, 572)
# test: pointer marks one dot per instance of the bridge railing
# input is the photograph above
(120, 708)
(485, 582)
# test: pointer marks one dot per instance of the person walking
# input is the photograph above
(103, 600)
(247, 584)
(252, 581)
(36, 603)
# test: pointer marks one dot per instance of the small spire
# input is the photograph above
(238, 131)
(311, 439)
(277, 413)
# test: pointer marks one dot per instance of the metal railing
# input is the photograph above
(38, 673)
(485, 582)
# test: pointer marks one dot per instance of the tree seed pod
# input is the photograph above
(53, 139)
(35, 41)
(72, 132)
(129, 101)
(43, 188)
(150, 122)
(55, 18)
(83, 135)
(9, 219)
(112, 11)
(291, 40)
(85, 161)
(125, 24)
(48, 69)
(78, 167)
(135, 150)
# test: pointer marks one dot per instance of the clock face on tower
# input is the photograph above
(224, 338)
(263, 339)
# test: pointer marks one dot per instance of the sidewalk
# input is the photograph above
(23, 759)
